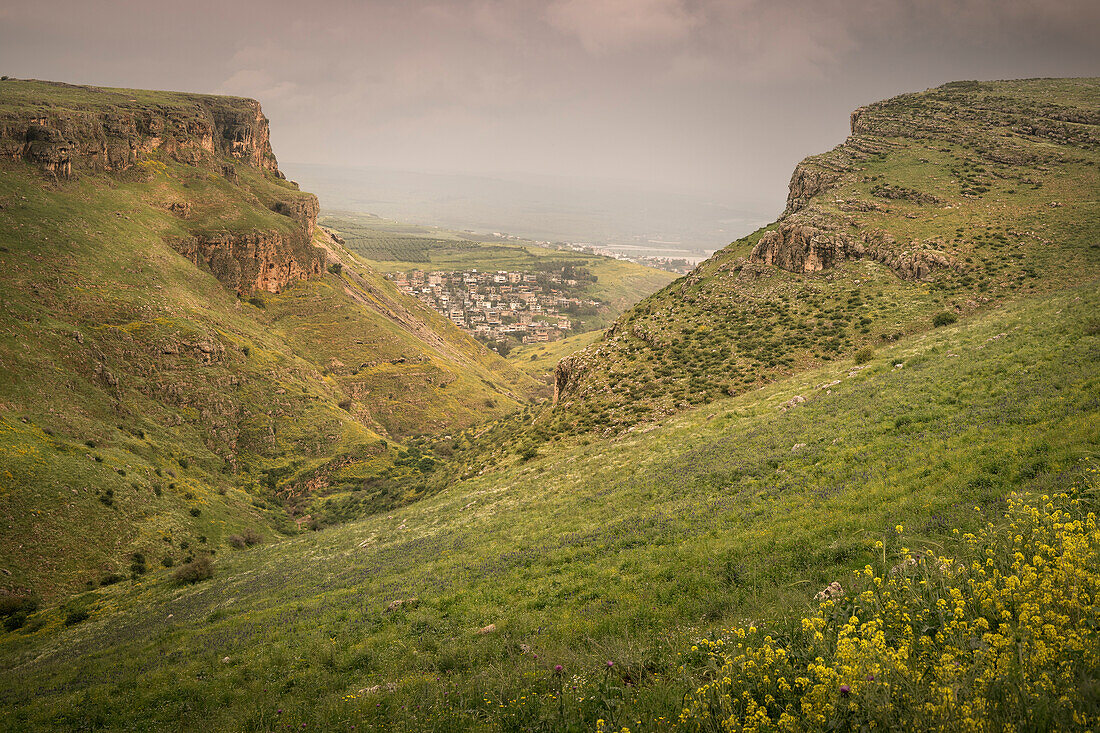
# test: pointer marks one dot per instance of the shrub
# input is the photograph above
(235, 541)
(252, 537)
(335, 268)
(76, 616)
(15, 609)
(111, 579)
(944, 319)
(195, 511)
(199, 569)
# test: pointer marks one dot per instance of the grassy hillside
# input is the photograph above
(394, 247)
(621, 551)
(939, 205)
(852, 393)
(152, 406)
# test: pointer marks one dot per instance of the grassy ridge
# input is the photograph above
(973, 174)
(619, 550)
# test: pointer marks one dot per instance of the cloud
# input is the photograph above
(609, 26)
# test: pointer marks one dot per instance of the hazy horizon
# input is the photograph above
(613, 214)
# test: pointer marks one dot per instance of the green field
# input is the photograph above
(624, 550)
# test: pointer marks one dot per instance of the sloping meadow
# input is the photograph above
(568, 589)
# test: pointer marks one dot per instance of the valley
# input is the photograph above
(253, 479)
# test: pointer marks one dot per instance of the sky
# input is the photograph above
(717, 98)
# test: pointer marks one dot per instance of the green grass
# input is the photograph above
(619, 550)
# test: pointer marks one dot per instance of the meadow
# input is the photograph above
(609, 557)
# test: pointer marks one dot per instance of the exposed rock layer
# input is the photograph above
(115, 131)
(811, 247)
(253, 260)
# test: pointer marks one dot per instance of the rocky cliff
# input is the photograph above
(67, 131)
(254, 260)
(113, 129)
(1000, 129)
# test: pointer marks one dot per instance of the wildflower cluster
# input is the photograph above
(1006, 636)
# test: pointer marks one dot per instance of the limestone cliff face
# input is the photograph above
(800, 246)
(302, 208)
(253, 260)
(109, 130)
(66, 130)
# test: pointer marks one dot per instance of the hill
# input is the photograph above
(601, 566)
(453, 613)
(940, 204)
(185, 355)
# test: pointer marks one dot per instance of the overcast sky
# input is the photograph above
(720, 97)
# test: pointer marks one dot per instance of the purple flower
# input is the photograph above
(610, 664)
(279, 711)
(845, 690)
(870, 678)
(557, 668)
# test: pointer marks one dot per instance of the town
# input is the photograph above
(506, 307)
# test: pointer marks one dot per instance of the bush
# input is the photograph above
(944, 319)
(335, 268)
(199, 569)
(76, 616)
(195, 511)
(864, 355)
(252, 537)
(111, 579)
(15, 609)
(236, 541)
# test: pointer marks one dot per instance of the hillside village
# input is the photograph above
(498, 306)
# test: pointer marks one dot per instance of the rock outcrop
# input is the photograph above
(253, 260)
(302, 208)
(114, 129)
(799, 246)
